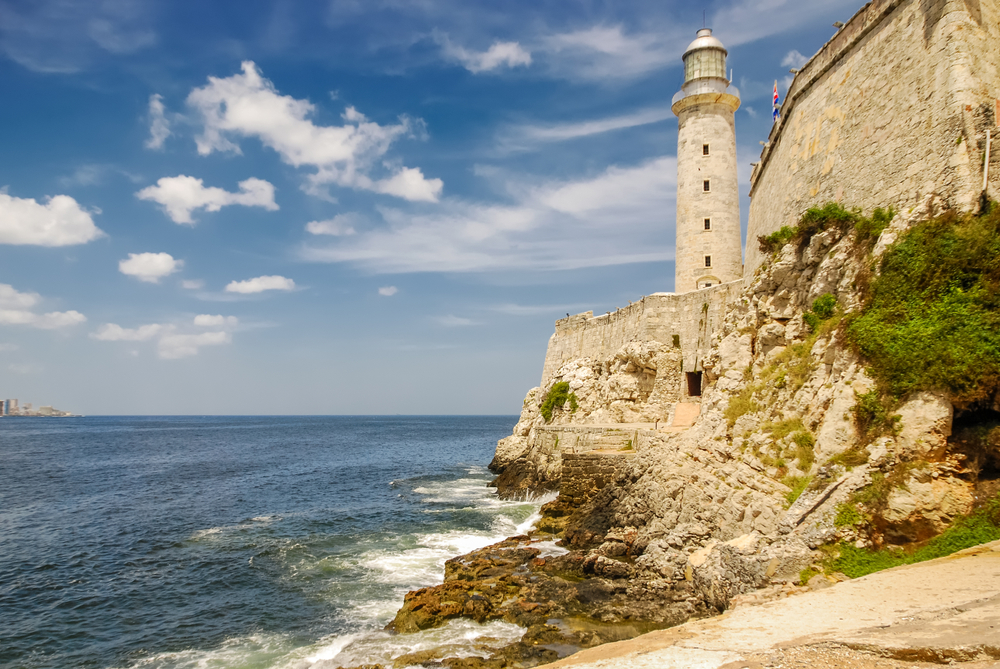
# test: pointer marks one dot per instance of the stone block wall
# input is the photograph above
(892, 111)
(583, 474)
(692, 317)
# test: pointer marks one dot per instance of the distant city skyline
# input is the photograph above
(343, 208)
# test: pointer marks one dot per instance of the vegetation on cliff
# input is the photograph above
(978, 528)
(930, 319)
(557, 397)
(831, 215)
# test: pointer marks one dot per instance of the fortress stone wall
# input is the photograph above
(893, 111)
(692, 317)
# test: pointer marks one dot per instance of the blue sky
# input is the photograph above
(345, 207)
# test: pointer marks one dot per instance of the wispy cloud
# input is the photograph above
(746, 21)
(609, 53)
(54, 36)
(159, 126)
(452, 321)
(531, 136)
(537, 309)
(555, 225)
(500, 54)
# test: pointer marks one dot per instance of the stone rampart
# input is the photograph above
(893, 111)
(583, 474)
(691, 317)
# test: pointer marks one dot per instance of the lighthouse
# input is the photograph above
(708, 245)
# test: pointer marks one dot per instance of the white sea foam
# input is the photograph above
(368, 584)
(249, 651)
(457, 638)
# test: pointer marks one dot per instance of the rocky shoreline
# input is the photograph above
(750, 491)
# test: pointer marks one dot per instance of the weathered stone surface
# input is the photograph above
(924, 425)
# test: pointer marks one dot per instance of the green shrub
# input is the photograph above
(807, 574)
(830, 215)
(774, 241)
(869, 229)
(557, 396)
(931, 318)
(981, 527)
(824, 306)
(847, 515)
(812, 320)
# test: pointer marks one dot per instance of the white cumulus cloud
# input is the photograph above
(15, 309)
(149, 267)
(61, 221)
(388, 291)
(216, 321)
(181, 195)
(115, 332)
(338, 226)
(260, 284)
(509, 54)
(248, 105)
(159, 126)
(11, 298)
(53, 320)
(171, 341)
(173, 346)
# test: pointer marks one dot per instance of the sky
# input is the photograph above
(343, 207)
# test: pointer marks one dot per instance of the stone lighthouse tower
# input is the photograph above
(708, 247)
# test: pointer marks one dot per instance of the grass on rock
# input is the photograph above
(981, 527)
(931, 318)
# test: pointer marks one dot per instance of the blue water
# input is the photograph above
(237, 542)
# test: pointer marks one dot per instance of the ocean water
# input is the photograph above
(283, 542)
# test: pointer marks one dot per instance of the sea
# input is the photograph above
(264, 542)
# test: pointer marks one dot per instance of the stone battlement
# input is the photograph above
(690, 317)
(892, 111)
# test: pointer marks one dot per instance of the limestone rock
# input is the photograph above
(926, 505)
(924, 425)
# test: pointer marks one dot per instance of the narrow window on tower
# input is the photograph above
(707, 185)
(708, 224)
(704, 149)
(708, 261)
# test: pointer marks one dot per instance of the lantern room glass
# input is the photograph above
(705, 63)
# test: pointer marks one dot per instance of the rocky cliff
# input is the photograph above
(784, 458)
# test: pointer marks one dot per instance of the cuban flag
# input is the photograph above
(774, 104)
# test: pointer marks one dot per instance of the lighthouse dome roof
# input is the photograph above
(705, 40)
